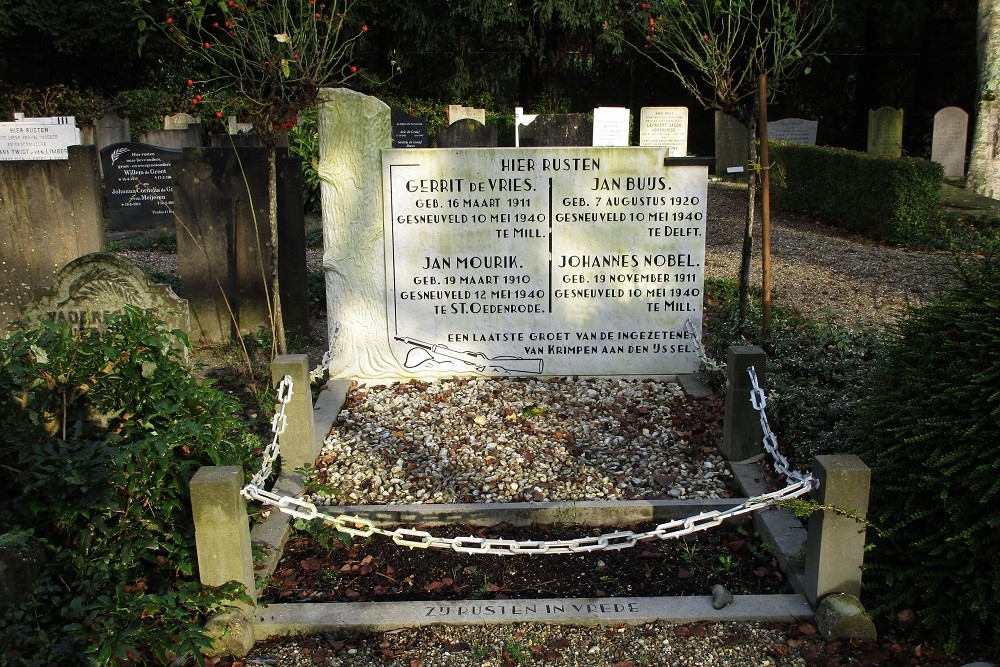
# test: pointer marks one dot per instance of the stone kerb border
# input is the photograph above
(833, 547)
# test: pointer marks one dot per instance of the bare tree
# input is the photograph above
(984, 159)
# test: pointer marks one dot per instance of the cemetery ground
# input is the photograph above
(820, 273)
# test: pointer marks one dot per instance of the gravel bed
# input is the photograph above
(514, 440)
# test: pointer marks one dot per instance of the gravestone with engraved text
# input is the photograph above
(137, 181)
(793, 130)
(951, 128)
(664, 126)
(885, 132)
(408, 131)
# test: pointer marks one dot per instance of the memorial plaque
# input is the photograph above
(664, 126)
(611, 126)
(91, 287)
(408, 131)
(885, 132)
(793, 130)
(138, 184)
(38, 138)
(572, 261)
(951, 127)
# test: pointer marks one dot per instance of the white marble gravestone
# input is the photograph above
(793, 130)
(46, 138)
(457, 112)
(611, 125)
(664, 126)
(537, 261)
(951, 127)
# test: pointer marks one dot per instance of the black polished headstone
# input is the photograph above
(466, 133)
(561, 129)
(137, 184)
(408, 131)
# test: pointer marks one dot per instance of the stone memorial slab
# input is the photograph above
(38, 138)
(885, 132)
(408, 131)
(793, 130)
(951, 129)
(521, 120)
(235, 127)
(585, 261)
(174, 139)
(732, 151)
(179, 121)
(91, 287)
(457, 112)
(561, 129)
(664, 126)
(466, 133)
(138, 184)
(611, 126)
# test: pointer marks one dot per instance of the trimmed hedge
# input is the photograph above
(887, 199)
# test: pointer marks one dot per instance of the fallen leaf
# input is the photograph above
(807, 629)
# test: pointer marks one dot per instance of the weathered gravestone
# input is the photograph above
(179, 121)
(45, 138)
(951, 128)
(233, 126)
(224, 250)
(664, 126)
(611, 126)
(91, 287)
(179, 139)
(138, 185)
(885, 132)
(562, 129)
(793, 130)
(457, 112)
(466, 133)
(515, 261)
(408, 131)
(50, 214)
(732, 151)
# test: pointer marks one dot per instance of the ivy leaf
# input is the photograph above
(284, 68)
(40, 356)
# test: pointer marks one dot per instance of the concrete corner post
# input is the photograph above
(298, 443)
(835, 545)
(742, 435)
(221, 527)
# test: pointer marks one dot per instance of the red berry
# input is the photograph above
(218, 114)
(364, 28)
(295, 56)
(652, 22)
(318, 15)
(353, 69)
(208, 45)
(190, 82)
(231, 3)
(644, 6)
(195, 100)
(215, 25)
(170, 20)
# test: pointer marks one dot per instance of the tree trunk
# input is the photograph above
(277, 321)
(751, 213)
(984, 161)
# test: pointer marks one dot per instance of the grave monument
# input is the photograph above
(951, 128)
(885, 132)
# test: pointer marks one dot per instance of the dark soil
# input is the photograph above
(319, 567)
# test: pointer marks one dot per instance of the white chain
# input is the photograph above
(759, 402)
(407, 537)
(706, 361)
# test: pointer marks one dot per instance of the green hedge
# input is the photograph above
(887, 199)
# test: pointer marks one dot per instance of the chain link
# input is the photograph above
(706, 361)
(800, 485)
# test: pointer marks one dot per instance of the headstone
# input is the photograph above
(50, 214)
(793, 130)
(664, 126)
(521, 120)
(111, 130)
(457, 112)
(224, 250)
(467, 133)
(91, 287)
(562, 129)
(885, 132)
(512, 261)
(951, 127)
(38, 138)
(611, 126)
(176, 139)
(732, 150)
(137, 182)
(236, 127)
(408, 131)
(179, 121)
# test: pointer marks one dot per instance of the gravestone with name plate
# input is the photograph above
(793, 130)
(466, 133)
(951, 128)
(611, 126)
(408, 131)
(732, 151)
(137, 181)
(46, 138)
(563, 129)
(885, 132)
(91, 287)
(664, 126)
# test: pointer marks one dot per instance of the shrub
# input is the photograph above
(931, 425)
(303, 142)
(103, 430)
(888, 199)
